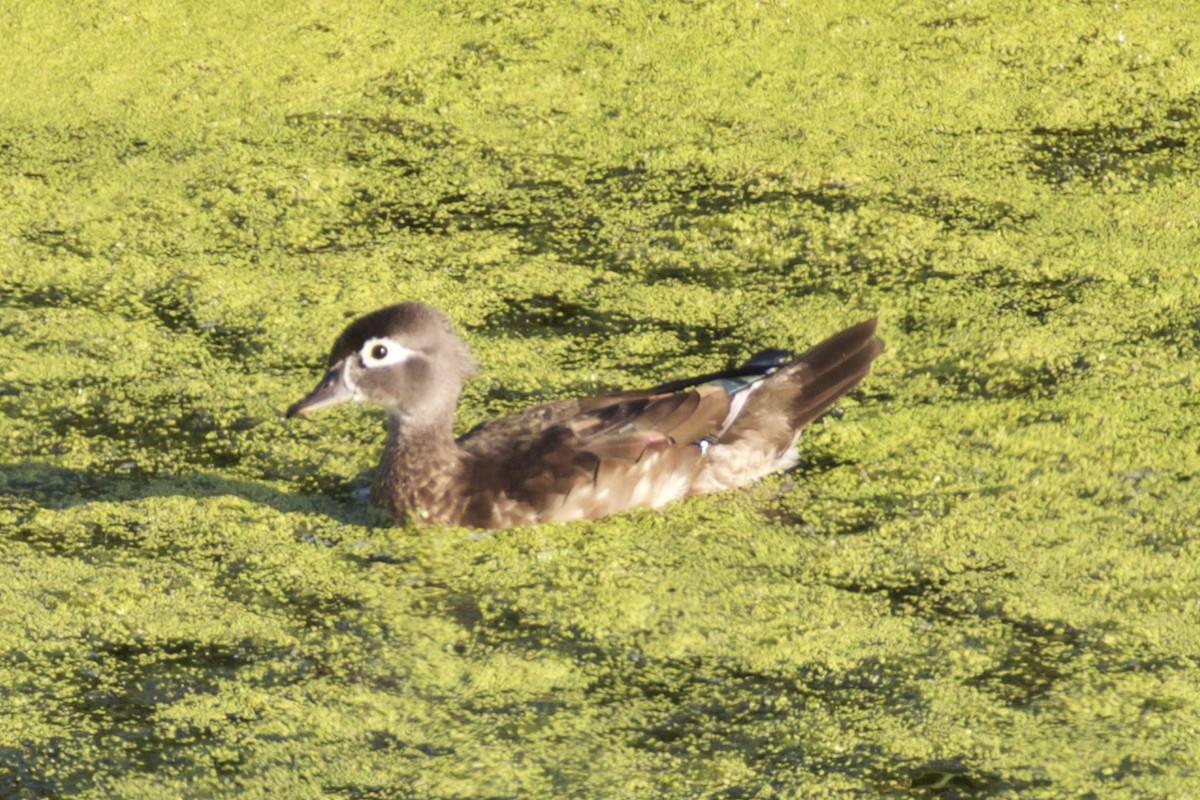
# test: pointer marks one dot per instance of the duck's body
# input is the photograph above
(573, 459)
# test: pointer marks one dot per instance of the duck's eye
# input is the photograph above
(384, 352)
(380, 351)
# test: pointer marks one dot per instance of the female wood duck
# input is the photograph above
(573, 459)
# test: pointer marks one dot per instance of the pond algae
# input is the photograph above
(981, 580)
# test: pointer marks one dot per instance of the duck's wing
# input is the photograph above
(587, 458)
(661, 407)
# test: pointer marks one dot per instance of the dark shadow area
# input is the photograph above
(961, 214)
(1099, 155)
(970, 382)
(573, 214)
(1040, 654)
(176, 312)
(882, 508)
(698, 708)
(1039, 658)
(170, 306)
(170, 425)
(954, 779)
(118, 695)
(28, 485)
(553, 316)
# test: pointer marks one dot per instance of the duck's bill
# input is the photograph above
(332, 389)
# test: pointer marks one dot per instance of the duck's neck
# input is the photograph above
(419, 471)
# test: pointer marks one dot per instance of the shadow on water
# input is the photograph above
(553, 316)
(117, 683)
(171, 426)
(574, 209)
(28, 485)
(695, 708)
(1099, 155)
(1039, 655)
(117, 696)
(169, 306)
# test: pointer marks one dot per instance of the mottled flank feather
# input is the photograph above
(582, 459)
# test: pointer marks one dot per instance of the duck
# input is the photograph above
(572, 459)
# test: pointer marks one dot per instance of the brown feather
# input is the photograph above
(706, 416)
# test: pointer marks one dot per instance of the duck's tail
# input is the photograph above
(767, 415)
(811, 383)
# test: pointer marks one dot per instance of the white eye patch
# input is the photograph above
(381, 351)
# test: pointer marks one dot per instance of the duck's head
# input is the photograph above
(406, 358)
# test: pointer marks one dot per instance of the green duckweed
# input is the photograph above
(981, 581)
